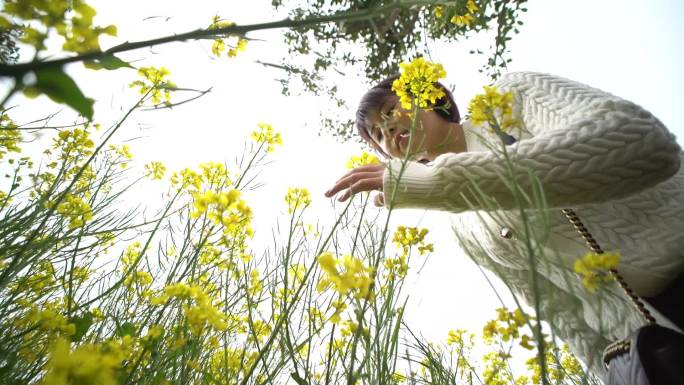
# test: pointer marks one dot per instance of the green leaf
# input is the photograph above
(82, 323)
(111, 62)
(126, 329)
(59, 87)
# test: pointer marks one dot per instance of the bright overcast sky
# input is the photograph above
(630, 48)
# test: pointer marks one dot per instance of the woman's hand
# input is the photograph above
(364, 178)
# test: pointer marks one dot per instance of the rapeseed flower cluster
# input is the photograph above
(201, 314)
(156, 83)
(438, 11)
(75, 209)
(215, 174)
(405, 238)
(210, 255)
(81, 36)
(72, 20)
(493, 108)
(267, 136)
(467, 18)
(155, 170)
(297, 197)
(496, 369)
(231, 362)
(219, 45)
(74, 145)
(40, 323)
(361, 160)
(417, 84)
(132, 255)
(78, 275)
(87, 364)
(215, 203)
(187, 179)
(38, 282)
(47, 318)
(507, 327)
(154, 332)
(461, 338)
(4, 200)
(124, 153)
(561, 366)
(348, 275)
(595, 268)
(139, 281)
(462, 342)
(227, 209)
(10, 135)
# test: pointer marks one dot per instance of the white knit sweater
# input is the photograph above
(607, 158)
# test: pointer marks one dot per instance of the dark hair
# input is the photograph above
(377, 96)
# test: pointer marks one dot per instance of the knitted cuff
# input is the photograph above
(417, 185)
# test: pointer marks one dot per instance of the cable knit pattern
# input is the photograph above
(588, 146)
(607, 158)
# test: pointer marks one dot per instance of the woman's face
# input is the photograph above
(390, 130)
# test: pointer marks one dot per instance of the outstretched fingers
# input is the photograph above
(359, 186)
(365, 168)
(363, 178)
(348, 181)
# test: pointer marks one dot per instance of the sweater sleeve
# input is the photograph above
(586, 146)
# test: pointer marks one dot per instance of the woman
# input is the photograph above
(607, 158)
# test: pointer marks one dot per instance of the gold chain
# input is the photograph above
(594, 246)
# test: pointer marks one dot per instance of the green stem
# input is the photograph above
(4, 277)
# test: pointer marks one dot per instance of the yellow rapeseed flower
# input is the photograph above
(267, 136)
(215, 174)
(406, 237)
(141, 279)
(219, 45)
(156, 83)
(155, 170)
(76, 210)
(345, 276)
(297, 197)
(187, 179)
(569, 371)
(595, 268)
(362, 160)
(493, 108)
(74, 144)
(47, 319)
(240, 46)
(124, 152)
(10, 136)
(467, 18)
(201, 314)
(461, 338)
(85, 365)
(154, 332)
(416, 86)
